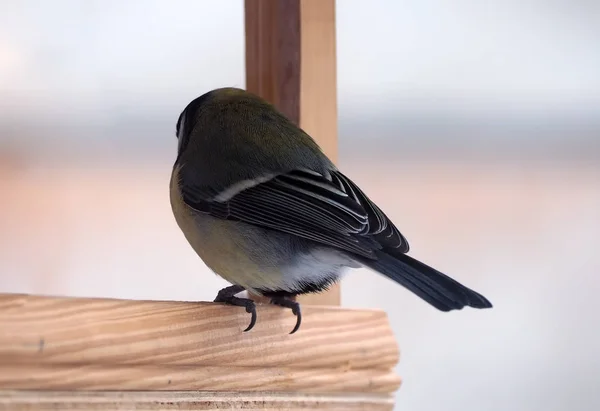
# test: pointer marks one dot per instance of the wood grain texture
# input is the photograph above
(193, 378)
(104, 344)
(167, 401)
(291, 62)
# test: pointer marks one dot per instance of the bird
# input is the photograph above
(265, 209)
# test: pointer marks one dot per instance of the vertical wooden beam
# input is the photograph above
(291, 61)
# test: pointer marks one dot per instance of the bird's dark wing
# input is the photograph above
(330, 210)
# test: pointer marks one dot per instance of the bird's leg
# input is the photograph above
(227, 296)
(287, 301)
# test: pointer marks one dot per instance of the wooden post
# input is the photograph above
(291, 61)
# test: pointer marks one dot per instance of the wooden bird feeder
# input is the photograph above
(106, 354)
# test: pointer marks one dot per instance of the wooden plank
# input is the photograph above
(106, 354)
(71, 377)
(291, 61)
(55, 330)
(167, 401)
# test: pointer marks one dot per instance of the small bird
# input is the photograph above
(266, 210)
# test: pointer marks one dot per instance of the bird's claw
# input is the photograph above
(251, 309)
(298, 315)
(293, 305)
(227, 296)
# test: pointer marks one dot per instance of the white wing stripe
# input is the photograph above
(240, 186)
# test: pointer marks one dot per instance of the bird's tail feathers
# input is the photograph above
(434, 287)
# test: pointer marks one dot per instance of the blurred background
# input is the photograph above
(474, 125)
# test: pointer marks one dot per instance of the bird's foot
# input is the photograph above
(227, 296)
(287, 302)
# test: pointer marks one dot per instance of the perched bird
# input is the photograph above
(266, 210)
